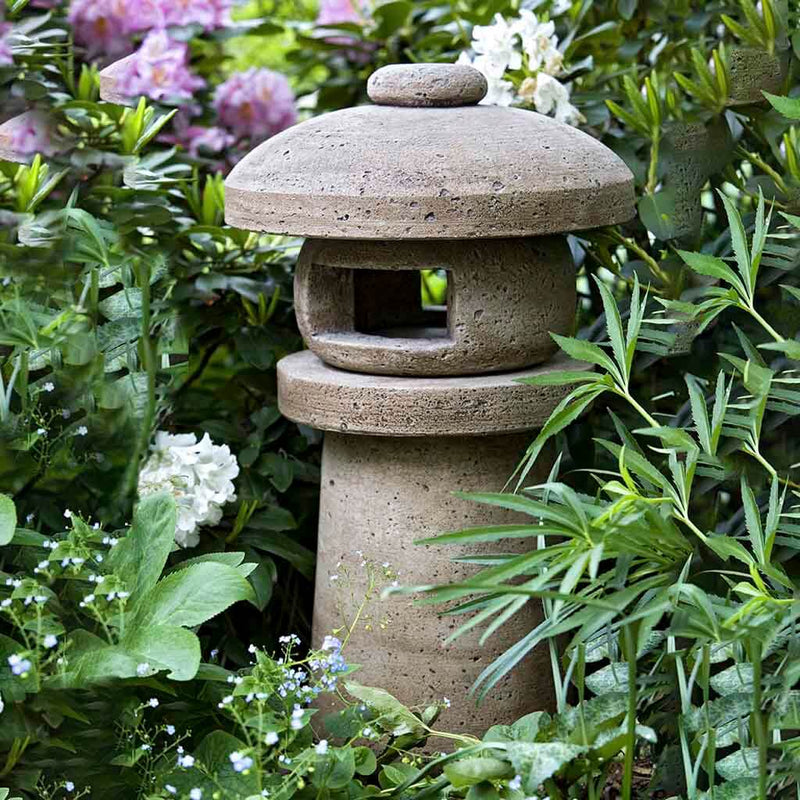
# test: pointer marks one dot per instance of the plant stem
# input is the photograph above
(150, 368)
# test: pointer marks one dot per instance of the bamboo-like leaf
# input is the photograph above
(614, 328)
(699, 413)
(715, 268)
(739, 244)
(753, 521)
(569, 409)
(583, 350)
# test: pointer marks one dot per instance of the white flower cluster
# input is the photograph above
(198, 474)
(522, 43)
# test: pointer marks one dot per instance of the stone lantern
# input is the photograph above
(417, 402)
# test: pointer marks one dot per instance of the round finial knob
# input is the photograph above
(427, 85)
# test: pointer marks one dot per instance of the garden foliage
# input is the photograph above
(157, 513)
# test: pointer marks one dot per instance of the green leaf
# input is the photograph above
(193, 595)
(393, 714)
(139, 558)
(471, 771)
(568, 410)
(583, 350)
(559, 378)
(725, 548)
(165, 647)
(365, 761)
(741, 764)
(8, 519)
(335, 769)
(614, 327)
(124, 303)
(753, 520)
(713, 267)
(214, 753)
(791, 347)
(739, 244)
(788, 106)
(535, 762)
(699, 413)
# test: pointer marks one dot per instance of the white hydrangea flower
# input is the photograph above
(500, 92)
(198, 474)
(539, 42)
(551, 96)
(497, 43)
(2, 704)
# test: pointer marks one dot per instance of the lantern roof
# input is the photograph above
(427, 162)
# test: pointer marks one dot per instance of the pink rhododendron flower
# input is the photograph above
(210, 14)
(212, 139)
(32, 134)
(193, 138)
(159, 69)
(335, 12)
(257, 103)
(102, 26)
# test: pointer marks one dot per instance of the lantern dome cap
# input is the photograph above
(425, 164)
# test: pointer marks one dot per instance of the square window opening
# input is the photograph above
(407, 304)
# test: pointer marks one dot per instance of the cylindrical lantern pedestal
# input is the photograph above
(378, 495)
(396, 449)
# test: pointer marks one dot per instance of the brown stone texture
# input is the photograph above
(505, 296)
(754, 71)
(384, 172)
(313, 393)
(427, 85)
(379, 495)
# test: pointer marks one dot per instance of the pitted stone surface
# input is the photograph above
(752, 72)
(381, 172)
(312, 393)
(109, 82)
(427, 85)
(505, 296)
(379, 496)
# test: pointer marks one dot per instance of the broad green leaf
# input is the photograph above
(193, 595)
(165, 647)
(335, 769)
(394, 716)
(365, 761)
(733, 680)
(535, 762)
(8, 519)
(725, 548)
(741, 764)
(141, 554)
(470, 771)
